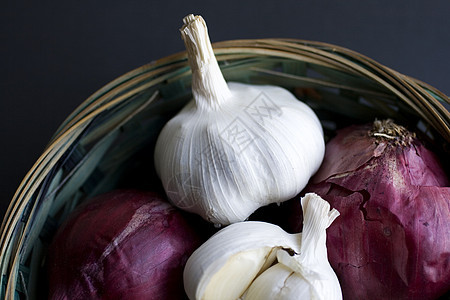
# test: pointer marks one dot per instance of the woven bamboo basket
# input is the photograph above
(107, 142)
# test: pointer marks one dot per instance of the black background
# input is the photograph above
(54, 54)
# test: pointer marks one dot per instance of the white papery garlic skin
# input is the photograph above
(235, 147)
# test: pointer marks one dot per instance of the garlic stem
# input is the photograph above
(209, 87)
(317, 218)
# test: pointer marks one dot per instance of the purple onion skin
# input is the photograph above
(391, 240)
(121, 245)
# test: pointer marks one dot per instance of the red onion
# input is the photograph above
(392, 240)
(121, 245)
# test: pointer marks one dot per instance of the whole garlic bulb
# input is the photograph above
(235, 147)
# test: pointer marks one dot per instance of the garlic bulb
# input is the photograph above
(258, 260)
(235, 147)
(307, 275)
(225, 265)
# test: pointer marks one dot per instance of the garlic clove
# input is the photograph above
(238, 273)
(226, 264)
(280, 282)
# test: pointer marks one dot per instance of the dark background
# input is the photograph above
(54, 54)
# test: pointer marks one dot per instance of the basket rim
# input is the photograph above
(417, 89)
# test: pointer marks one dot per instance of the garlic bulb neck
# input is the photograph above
(317, 218)
(209, 87)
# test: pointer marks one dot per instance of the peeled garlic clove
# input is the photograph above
(235, 147)
(226, 264)
(238, 272)
(280, 282)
